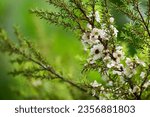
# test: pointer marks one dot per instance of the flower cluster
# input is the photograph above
(97, 41)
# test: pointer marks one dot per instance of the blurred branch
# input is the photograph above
(142, 18)
(36, 58)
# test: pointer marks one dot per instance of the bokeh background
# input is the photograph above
(61, 48)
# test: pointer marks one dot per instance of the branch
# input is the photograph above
(142, 18)
(82, 10)
(10, 47)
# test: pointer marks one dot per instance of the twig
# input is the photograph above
(146, 78)
(142, 18)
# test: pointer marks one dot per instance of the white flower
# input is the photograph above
(93, 92)
(111, 64)
(95, 34)
(99, 70)
(110, 83)
(147, 84)
(129, 62)
(89, 26)
(119, 66)
(111, 20)
(117, 72)
(91, 61)
(85, 36)
(107, 55)
(103, 35)
(97, 17)
(143, 64)
(115, 31)
(142, 75)
(102, 88)
(95, 84)
(119, 48)
(130, 90)
(136, 89)
(86, 39)
(96, 51)
(119, 55)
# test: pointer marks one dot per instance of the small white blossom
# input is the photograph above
(93, 92)
(119, 66)
(119, 48)
(117, 72)
(98, 33)
(96, 51)
(99, 70)
(119, 55)
(89, 26)
(110, 83)
(115, 31)
(136, 89)
(103, 35)
(142, 75)
(143, 64)
(147, 84)
(107, 55)
(97, 17)
(85, 37)
(95, 84)
(111, 20)
(102, 88)
(130, 90)
(111, 64)
(95, 33)
(91, 61)
(129, 62)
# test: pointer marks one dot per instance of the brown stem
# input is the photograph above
(142, 18)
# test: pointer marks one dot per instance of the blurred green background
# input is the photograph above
(61, 48)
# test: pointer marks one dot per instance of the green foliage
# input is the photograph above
(139, 22)
(31, 63)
